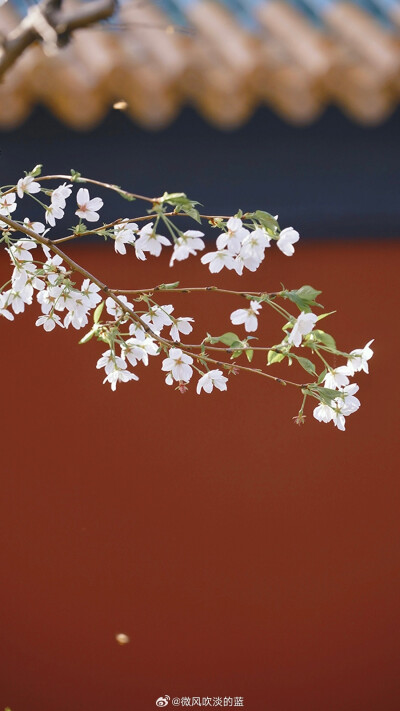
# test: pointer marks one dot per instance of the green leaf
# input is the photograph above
(326, 395)
(165, 287)
(98, 312)
(249, 354)
(227, 338)
(182, 204)
(269, 222)
(274, 357)
(75, 176)
(322, 376)
(305, 363)
(325, 338)
(300, 303)
(325, 315)
(308, 293)
(304, 297)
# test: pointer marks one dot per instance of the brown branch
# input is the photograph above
(47, 23)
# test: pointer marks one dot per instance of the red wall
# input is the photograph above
(243, 555)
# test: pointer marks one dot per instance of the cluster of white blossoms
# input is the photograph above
(61, 303)
(338, 379)
(240, 248)
(137, 330)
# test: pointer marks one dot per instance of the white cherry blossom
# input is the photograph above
(255, 244)
(27, 185)
(178, 365)
(115, 310)
(250, 261)
(59, 195)
(232, 239)
(287, 238)
(53, 212)
(323, 412)
(137, 331)
(87, 206)
(47, 298)
(49, 321)
(304, 325)
(109, 361)
(124, 233)
(3, 307)
(247, 316)
(218, 260)
(149, 241)
(189, 242)
(337, 377)
(8, 204)
(91, 292)
(135, 349)
(359, 358)
(21, 250)
(119, 376)
(37, 227)
(158, 317)
(214, 378)
(181, 325)
(342, 406)
(19, 299)
(53, 267)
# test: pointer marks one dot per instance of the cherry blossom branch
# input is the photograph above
(242, 243)
(190, 289)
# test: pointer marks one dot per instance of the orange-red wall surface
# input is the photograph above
(243, 555)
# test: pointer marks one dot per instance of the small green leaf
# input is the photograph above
(269, 222)
(249, 353)
(182, 204)
(228, 338)
(305, 363)
(98, 312)
(308, 293)
(274, 357)
(165, 287)
(75, 176)
(325, 338)
(322, 376)
(304, 297)
(325, 315)
(326, 395)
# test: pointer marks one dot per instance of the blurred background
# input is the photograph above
(243, 556)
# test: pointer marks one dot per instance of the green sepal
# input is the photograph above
(98, 312)
(76, 177)
(36, 171)
(88, 337)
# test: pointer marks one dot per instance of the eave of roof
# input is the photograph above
(226, 58)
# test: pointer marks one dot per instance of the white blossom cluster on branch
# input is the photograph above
(134, 327)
